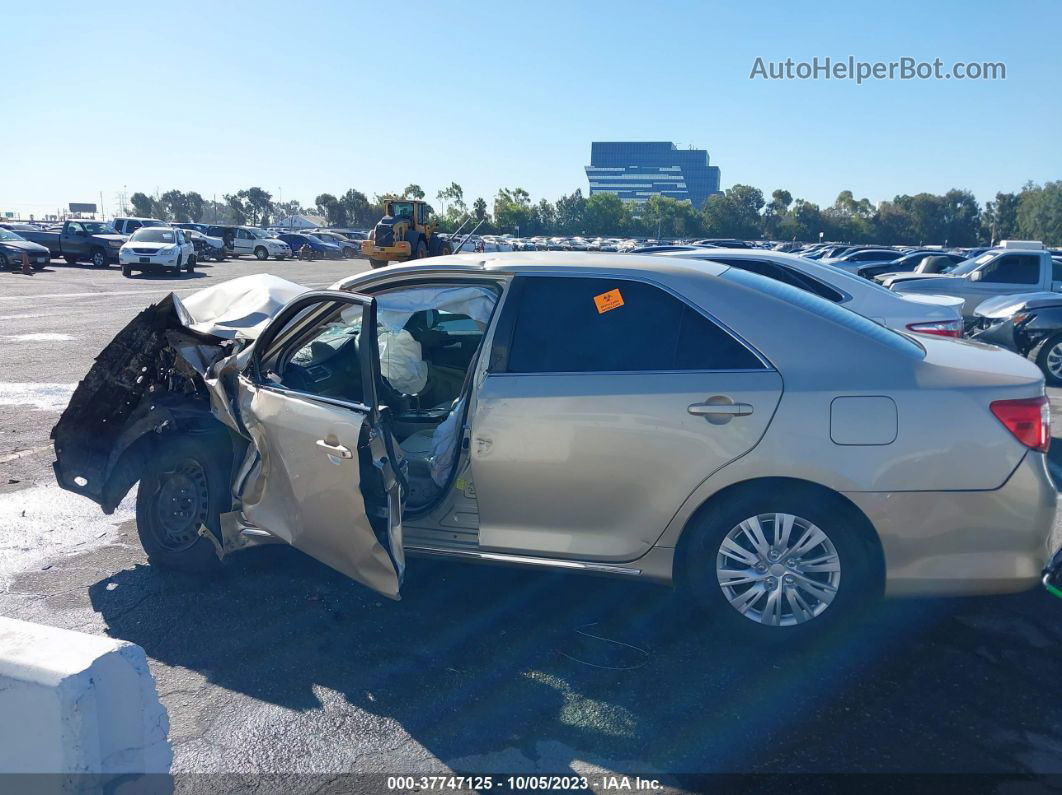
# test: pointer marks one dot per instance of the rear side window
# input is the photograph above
(834, 312)
(773, 270)
(578, 325)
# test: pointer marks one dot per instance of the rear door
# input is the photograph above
(606, 402)
(324, 475)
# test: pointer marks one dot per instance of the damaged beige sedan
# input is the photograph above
(781, 459)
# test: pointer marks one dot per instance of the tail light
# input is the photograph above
(1029, 420)
(940, 328)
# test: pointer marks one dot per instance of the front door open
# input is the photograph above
(326, 479)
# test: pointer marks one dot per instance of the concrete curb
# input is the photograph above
(77, 703)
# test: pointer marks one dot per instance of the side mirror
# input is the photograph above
(976, 276)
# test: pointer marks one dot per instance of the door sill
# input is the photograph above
(522, 560)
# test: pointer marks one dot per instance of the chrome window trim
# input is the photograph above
(632, 372)
(288, 392)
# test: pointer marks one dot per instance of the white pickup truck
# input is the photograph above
(1015, 266)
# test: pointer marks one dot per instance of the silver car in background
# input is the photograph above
(779, 458)
(923, 314)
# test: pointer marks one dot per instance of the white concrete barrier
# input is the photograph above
(76, 703)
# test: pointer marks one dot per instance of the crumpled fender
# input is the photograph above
(150, 379)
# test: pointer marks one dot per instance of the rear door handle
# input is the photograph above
(337, 450)
(729, 409)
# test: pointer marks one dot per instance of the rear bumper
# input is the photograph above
(967, 542)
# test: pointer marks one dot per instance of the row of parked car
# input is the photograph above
(139, 244)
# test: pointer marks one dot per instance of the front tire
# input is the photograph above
(780, 565)
(261, 253)
(127, 271)
(1049, 360)
(184, 486)
(4, 263)
(422, 250)
(99, 258)
(377, 263)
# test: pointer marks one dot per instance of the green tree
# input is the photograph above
(893, 225)
(1000, 218)
(1040, 213)
(236, 207)
(359, 210)
(175, 206)
(605, 214)
(512, 209)
(413, 191)
(143, 205)
(258, 205)
(479, 209)
(735, 213)
(663, 216)
(569, 212)
(333, 210)
(195, 205)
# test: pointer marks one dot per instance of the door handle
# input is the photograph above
(729, 409)
(337, 450)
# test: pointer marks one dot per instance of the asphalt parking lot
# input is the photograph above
(286, 666)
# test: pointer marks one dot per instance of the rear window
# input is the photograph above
(772, 270)
(830, 311)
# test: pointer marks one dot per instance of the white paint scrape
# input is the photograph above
(43, 397)
(77, 703)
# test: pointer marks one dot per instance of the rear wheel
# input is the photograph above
(377, 263)
(348, 252)
(1049, 360)
(780, 565)
(183, 488)
(261, 253)
(422, 250)
(4, 262)
(71, 260)
(190, 267)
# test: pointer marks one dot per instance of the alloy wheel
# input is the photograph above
(1054, 360)
(778, 569)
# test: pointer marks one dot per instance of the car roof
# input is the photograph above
(549, 261)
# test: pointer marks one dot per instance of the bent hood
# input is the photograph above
(913, 277)
(1006, 305)
(240, 308)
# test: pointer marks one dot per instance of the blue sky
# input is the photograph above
(308, 97)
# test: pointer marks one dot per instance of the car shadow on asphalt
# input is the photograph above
(483, 666)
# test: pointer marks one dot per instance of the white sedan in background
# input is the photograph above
(923, 314)
(156, 248)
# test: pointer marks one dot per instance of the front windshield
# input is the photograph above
(97, 227)
(153, 234)
(7, 234)
(401, 208)
(969, 265)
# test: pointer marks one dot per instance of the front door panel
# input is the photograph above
(306, 489)
(594, 465)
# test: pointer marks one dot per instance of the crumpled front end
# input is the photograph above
(148, 381)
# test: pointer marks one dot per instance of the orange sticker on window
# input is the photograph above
(606, 301)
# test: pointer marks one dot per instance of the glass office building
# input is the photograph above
(636, 170)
